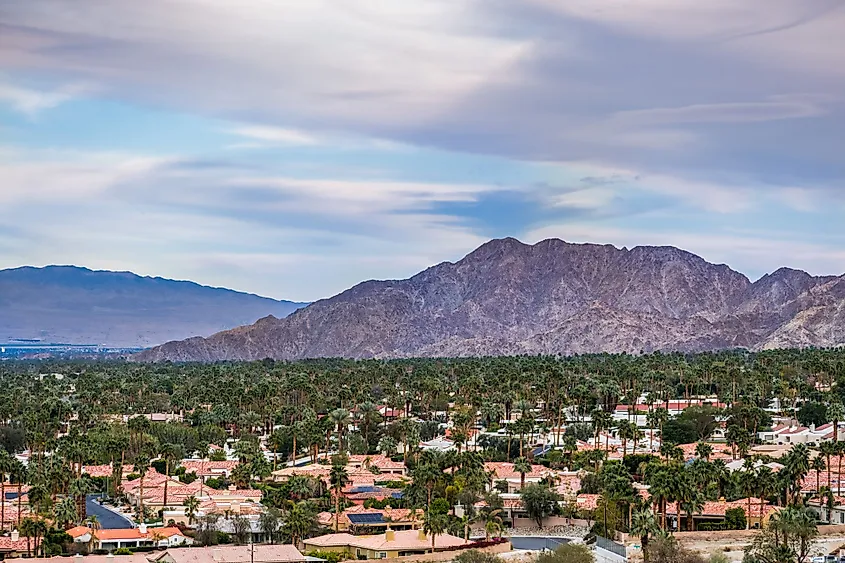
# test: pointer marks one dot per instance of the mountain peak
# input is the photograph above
(552, 297)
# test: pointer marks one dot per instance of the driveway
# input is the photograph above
(109, 520)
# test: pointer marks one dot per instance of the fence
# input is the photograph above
(611, 546)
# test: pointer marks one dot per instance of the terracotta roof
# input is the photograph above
(380, 461)
(7, 545)
(505, 470)
(208, 467)
(259, 553)
(404, 540)
(587, 502)
(125, 534)
(104, 470)
(796, 430)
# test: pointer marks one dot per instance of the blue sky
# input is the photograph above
(293, 149)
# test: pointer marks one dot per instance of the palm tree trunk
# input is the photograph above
(748, 519)
(19, 504)
(2, 502)
(166, 479)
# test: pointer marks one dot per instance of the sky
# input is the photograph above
(293, 149)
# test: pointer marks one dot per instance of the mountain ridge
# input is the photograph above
(78, 305)
(552, 297)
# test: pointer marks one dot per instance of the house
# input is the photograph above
(826, 513)
(714, 511)
(110, 558)
(439, 444)
(13, 545)
(231, 554)
(637, 412)
(382, 464)
(389, 544)
(209, 469)
(359, 494)
(132, 537)
(360, 519)
(504, 471)
(322, 473)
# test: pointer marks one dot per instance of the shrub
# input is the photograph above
(476, 556)
(329, 556)
(122, 551)
(568, 553)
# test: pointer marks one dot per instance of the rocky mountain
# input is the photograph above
(553, 297)
(70, 305)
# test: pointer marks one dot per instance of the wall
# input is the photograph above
(444, 555)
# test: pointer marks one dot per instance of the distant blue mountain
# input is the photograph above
(76, 305)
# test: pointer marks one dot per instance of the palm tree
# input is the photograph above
(79, 489)
(797, 464)
(6, 467)
(65, 512)
(835, 413)
(142, 465)
(435, 524)
(601, 421)
(827, 449)
(692, 502)
(522, 466)
(624, 433)
(191, 505)
(818, 465)
(94, 525)
(27, 530)
(341, 419)
(643, 525)
(170, 453)
(18, 473)
(338, 479)
(703, 450)
(493, 523)
(765, 487)
(299, 521)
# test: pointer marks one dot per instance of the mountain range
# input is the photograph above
(71, 305)
(552, 297)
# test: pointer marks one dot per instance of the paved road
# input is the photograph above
(108, 520)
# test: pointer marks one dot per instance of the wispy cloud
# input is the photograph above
(32, 102)
(274, 135)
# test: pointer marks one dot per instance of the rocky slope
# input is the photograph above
(70, 305)
(553, 297)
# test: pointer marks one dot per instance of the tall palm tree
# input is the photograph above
(835, 413)
(170, 453)
(827, 449)
(643, 525)
(299, 521)
(692, 502)
(522, 466)
(94, 525)
(17, 473)
(765, 487)
(191, 504)
(601, 421)
(340, 419)
(65, 512)
(435, 524)
(338, 479)
(6, 467)
(79, 489)
(703, 450)
(142, 465)
(818, 465)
